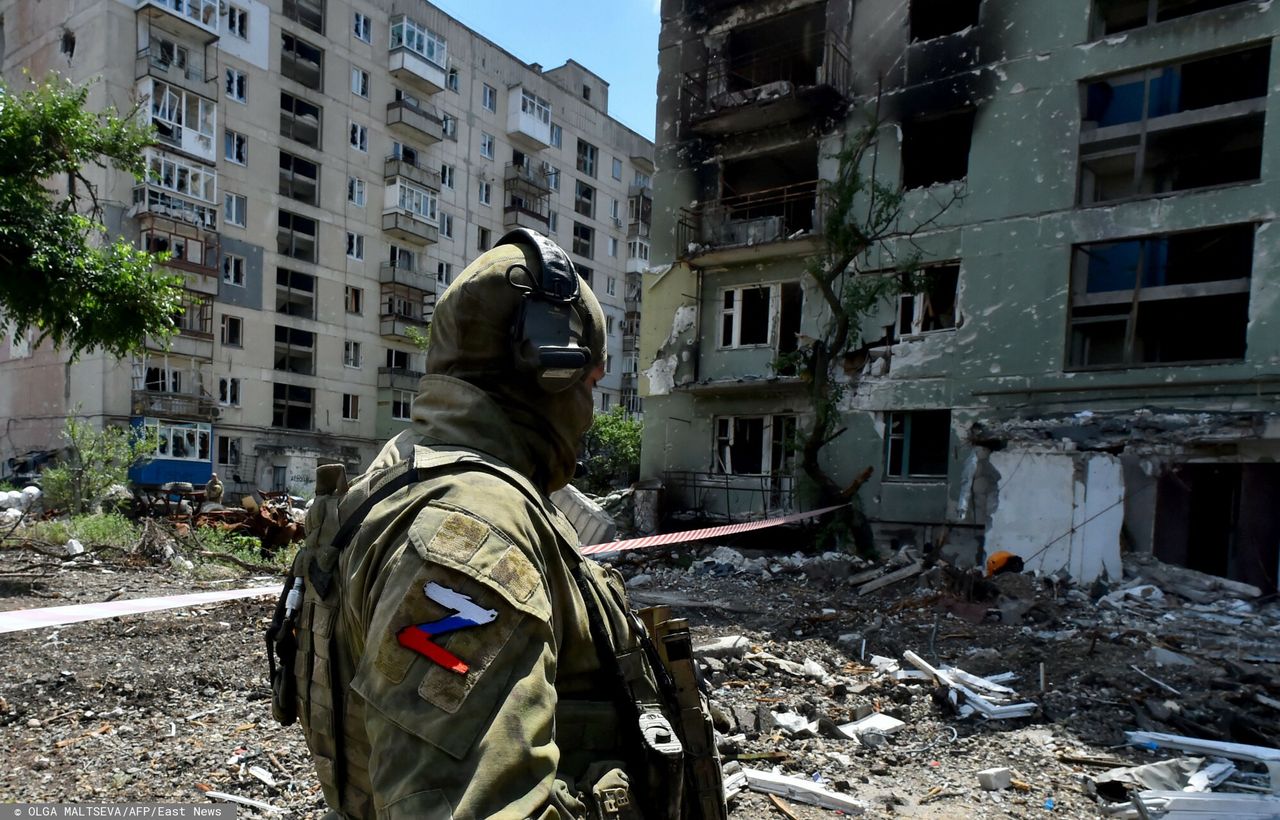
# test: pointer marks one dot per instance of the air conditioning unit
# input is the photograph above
(617, 222)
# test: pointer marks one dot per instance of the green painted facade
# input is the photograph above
(1012, 233)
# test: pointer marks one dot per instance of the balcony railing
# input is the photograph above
(522, 216)
(409, 226)
(398, 167)
(151, 63)
(398, 378)
(149, 200)
(421, 120)
(172, 405)
(782, 68)
(523, 174)
(400, 273)
(756, 218)
(200, 14)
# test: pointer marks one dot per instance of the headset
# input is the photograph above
(548, 330)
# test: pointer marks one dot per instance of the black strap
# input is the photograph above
(557, 280)
(320, 578)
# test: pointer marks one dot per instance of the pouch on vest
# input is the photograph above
(282, 636)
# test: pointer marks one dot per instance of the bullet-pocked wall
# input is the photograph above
(1091, 256)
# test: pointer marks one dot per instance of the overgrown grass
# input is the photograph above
(245, 547)
(111, 529)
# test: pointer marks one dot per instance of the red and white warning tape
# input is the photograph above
(24, 619)
(699, 535)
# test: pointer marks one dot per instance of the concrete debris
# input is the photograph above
(1268, 757)
(995, 780)
(802, 791)
(1197, 587)
(729, 646)
(877, 723)
(1117, 785)
(963, 692)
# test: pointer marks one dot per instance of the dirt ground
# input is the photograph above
(170, 705)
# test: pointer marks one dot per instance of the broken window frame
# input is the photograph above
(229, 391)
(734, 315)
(913, 21)
(402, 405)
(777, 443)
(1154, 11)
(352, 354)
(291, 119)
(1076, 358)
(180, 440)
(350, 407)
(920, 305)
(901, 436)
(301, 61)
(295, 293)
(354, 299)
(288, 398)
(1099, 143)
(232, 331)
(296, 175)
(228, 450)
(295, 351)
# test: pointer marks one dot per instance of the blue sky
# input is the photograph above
(617, 39)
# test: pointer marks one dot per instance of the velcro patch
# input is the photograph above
(516, 573)
(458, 538)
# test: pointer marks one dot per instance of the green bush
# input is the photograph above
(245, 547)
(94, 460)
(613, 452)
(107, 528)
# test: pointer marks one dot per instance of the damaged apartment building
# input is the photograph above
(1093, 361)
(322, 170)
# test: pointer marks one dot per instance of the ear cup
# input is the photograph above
(547, 331)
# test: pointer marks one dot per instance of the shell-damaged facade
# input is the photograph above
(1094, 362)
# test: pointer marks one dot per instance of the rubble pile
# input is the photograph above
(898, 688)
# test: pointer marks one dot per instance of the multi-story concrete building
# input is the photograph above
(323, 169)
(1094, 360)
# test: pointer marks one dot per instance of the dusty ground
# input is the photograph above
(163, 707)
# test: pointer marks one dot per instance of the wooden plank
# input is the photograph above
(892, 578)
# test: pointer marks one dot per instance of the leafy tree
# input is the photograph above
(613, 451)
(62, 277)
(93, 461)
(861, 214)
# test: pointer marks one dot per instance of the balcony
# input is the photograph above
(755, 226)
(397, 273)
(397, 167)
(173, 405)
(397, 327)
(152, 62)
(528, 120)
(193, 19)
(521, 216)
(398, 378)
(776, 82)
(411, 66)
(157, 202)
(523, 175)
(421, 122)
(410, 227)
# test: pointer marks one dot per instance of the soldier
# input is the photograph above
(213, 490)
(456, 657)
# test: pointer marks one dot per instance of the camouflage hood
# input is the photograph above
(473, 394)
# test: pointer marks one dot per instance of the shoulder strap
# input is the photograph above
(426, 461)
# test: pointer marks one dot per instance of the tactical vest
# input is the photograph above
(658, 720)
